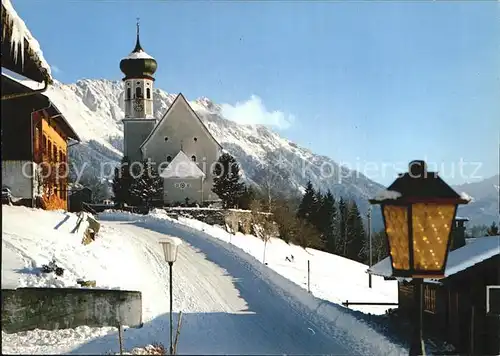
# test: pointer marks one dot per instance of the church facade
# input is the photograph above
(179, 145)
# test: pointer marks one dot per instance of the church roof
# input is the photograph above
(182, 167)
(178, 98)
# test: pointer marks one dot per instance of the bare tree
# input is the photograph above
(261, 224)
(273, 178)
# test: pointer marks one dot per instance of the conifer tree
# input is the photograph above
(308, 203)
(326, 221)
(247, 197)
(147, 186)
(227, 183)
(122, 183)
(493, 230)
(341, 245)
(355, 233)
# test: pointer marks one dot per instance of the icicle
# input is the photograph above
(20, 33)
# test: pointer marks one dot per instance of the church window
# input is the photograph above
(129, 94)
(193, 158)
(169, 159)
(148, 93)
(195, 139)
(138, 92)
(182, 185)
(49, 149)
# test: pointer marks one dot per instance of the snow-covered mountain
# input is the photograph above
(94, 109)
(484, 207)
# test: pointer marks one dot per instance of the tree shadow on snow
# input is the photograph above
(66, 218)
(206, 333)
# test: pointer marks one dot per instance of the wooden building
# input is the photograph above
(455, 307)
(35, 133)
(35, 138)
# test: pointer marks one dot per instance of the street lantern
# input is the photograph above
(170, 247)
(418, 210)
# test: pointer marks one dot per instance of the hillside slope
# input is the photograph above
(484, 207)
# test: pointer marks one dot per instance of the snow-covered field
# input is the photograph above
(231, 302)
(332, 277)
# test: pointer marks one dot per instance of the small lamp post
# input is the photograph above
(418, 210)
(170, 248)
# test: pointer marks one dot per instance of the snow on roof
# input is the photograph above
(171, 239)
(138, 55)
(387, 194)
(466, 196)
(460, 259)
(33, 85)
(182, 167)
(20, 33)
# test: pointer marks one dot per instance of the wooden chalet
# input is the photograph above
(455, 307)
(35, 138)
(35, 133)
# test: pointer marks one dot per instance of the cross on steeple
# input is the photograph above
(138, 47)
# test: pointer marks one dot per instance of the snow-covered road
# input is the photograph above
(232, 304)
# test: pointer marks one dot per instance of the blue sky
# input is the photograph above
(366, 83)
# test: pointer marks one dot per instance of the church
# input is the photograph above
(180, 146)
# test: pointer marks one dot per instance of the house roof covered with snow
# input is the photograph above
(182, 167)
(474, 252)
(15, 85)
(21, 52)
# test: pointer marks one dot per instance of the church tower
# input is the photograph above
(139, 68)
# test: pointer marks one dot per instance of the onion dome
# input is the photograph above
(138, 64)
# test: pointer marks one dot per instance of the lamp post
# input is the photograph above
(418, 210)
(170, 247)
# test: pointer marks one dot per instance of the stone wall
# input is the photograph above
(233, 220)
(62, 308)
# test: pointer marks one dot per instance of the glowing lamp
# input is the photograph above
(418, 210)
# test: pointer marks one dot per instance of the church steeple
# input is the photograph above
(138, 47)
(138, 64)
(139, 68)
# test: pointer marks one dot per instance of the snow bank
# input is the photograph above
(51, 235)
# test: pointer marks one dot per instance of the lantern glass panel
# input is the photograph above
(396, 225)
(169, 251)
(431, 232)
